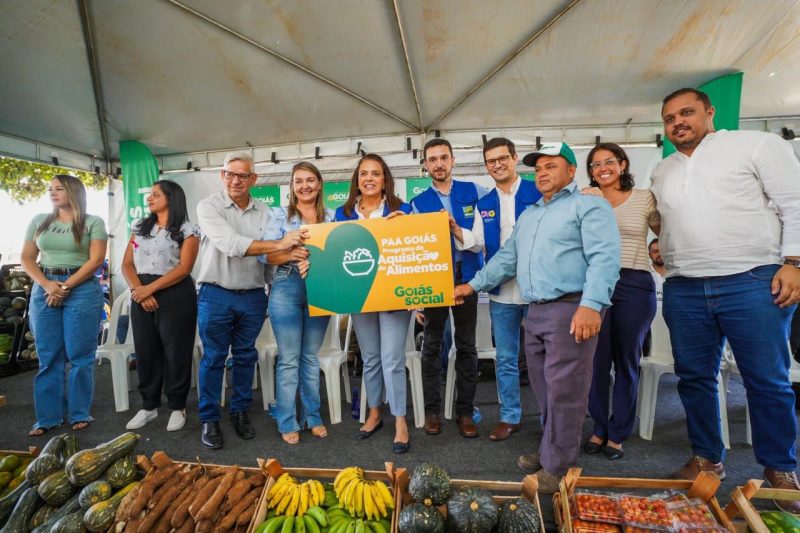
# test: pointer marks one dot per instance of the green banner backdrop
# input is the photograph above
(335, 193)
(414, 186)
(139, 172)
(725, 93)
(269, 194)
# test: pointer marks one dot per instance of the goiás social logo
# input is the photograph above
(420, 295)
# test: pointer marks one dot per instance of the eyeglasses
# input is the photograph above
(503, 160)
(230, 176)
(606, 163)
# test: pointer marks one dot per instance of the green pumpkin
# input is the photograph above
(420, 518)
(95, 492)
(519, 516)
(429, 484)
(122, 472)
(56, 488)
(471, 510)
(71, 523)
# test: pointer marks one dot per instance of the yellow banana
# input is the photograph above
(358, 498)
(320, 492)
(292, 509)
(276, 496)
(369, 504)
(278, 484)
(313, 497)
(303, 507)
(347, 495)
(380, 505)
(342, 480)
(285, 501)
(383, 490)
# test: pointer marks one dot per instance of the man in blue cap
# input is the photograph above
(564, 251)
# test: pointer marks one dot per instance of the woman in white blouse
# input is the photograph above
(157, 266)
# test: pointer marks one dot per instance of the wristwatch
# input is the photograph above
(793, 262)
(65, 287)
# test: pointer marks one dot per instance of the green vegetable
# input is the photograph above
(471, 510)
(429, 484)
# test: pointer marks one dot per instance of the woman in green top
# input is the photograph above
(66, 303)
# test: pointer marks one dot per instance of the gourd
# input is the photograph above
(70, 446)
(429, 484)
(8, 501)
(420, 518)
(519, 516)
(100, 516)
(56, 488)
(95, 492)
(71, 506)
(27, 505)
(41, 516)
(88, 465)
(471, 510)
(122, 472)
(48, 461)
(71, 523)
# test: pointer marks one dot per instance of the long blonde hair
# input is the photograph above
(291, 211)
(76, 194)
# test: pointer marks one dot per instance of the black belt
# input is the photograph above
(58, 271)
(569, 297)
(235, 291)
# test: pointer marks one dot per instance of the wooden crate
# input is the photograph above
(704, 487)
(741, 504)
(501, 491)
(273, 469)
(32, 452)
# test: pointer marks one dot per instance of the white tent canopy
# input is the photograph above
(193, 78)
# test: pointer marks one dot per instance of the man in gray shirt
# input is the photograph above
(232, 303)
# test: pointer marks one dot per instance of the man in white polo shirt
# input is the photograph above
(730, 239)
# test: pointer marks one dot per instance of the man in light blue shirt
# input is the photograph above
(564, 252)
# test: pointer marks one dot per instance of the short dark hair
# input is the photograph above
(703, 97)
(438, 141)
(497, 142)
(625, 179)
(652, 243)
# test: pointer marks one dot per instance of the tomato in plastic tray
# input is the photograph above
(584, 526)
(670, 496)
(703, 529)
(647, 513)
(693, 512)
(596, 507)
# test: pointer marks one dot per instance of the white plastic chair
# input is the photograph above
(414, 366)
(119, 353)
(332, 362)
(660, 362)
(267, 348)
(732, 368)
(197, 355)
(483, 344)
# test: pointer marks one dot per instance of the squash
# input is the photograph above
(9, 463)
(471, 510)
(420, 518)
(41, 516)
(122, 472)
(47, 462)
(429, 484)
(71, 506)
(100, 516)
(8, 501)
(70, 446)
(71, 523)
(95, 492)
(88, 465)
(56, 488)
(519, 516)
(20, 517)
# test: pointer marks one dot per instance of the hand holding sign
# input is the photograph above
(461, 292)
(294, 238)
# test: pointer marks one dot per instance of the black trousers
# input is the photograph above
(465, 318)
(164, 341)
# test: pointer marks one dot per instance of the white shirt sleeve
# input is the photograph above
(779, 171)
(473, 239)
(219, 232)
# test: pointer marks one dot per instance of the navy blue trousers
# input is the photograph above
(619, 346)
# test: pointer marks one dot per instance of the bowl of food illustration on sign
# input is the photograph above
(358, 262)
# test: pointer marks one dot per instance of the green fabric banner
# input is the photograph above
(725, 93)
(528, 176)
(139, 172)
(336, 193)
(269, 194)
(414, 186)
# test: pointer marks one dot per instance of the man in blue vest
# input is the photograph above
(499, 211)
(459, 199)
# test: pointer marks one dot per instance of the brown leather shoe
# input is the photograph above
(783, 480)
(697, 464)
(548, 483)
(466, 427)
(433, 424)
(503, 430)
(529, 462)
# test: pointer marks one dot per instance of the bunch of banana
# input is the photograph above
(313, 521)
(361, 497)
(289, 497)
(348, 524)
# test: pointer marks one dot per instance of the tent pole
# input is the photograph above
(502, 64)
(88, 41)
(295, 64)
(408, 61)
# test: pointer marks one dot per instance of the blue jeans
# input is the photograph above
(229, 322)
(65, 334)
(701, 313)
(506, 322)
(299, 338)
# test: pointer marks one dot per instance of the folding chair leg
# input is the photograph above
(346, 379)
(119, 379)
(334, 396)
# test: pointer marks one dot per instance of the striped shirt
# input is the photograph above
(634, 217)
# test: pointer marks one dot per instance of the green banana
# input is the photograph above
(310, 523)
(273, 525)
(359, 526)
(288, 525)
(320, 516)
(299, 525)
(376, 527)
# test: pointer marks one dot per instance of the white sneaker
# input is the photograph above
(142, 418)
(176, 420)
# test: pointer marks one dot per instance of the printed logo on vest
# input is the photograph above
(469, 212)
(488, 214)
